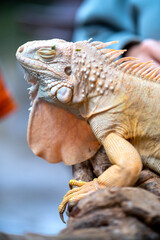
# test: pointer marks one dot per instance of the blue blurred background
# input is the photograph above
(30, 188)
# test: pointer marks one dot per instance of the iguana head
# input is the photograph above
(47, 66)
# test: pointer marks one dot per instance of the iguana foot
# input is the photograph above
(75, 194)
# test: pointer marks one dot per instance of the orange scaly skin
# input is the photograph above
(75, 82)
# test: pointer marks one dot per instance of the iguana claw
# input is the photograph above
(61, 211)
(62, 206)
(62, 217)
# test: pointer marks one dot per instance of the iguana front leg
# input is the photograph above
(126, 161)
(125, 171)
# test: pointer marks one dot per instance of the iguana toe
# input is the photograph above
(76, 194)
(76, 183)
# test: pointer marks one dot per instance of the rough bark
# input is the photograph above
(115, 213)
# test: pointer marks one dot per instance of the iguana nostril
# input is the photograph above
(21, 49)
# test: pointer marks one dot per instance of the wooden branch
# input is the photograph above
(115, 213)
(130, 213)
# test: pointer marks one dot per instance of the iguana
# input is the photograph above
(84, 97)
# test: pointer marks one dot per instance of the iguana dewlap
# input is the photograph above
(83, 97)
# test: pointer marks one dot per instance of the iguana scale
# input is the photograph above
(82, 97)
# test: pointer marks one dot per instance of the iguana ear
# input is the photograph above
(57, 135)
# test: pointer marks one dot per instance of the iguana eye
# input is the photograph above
(46, 54)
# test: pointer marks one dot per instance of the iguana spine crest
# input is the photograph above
(131, 65)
